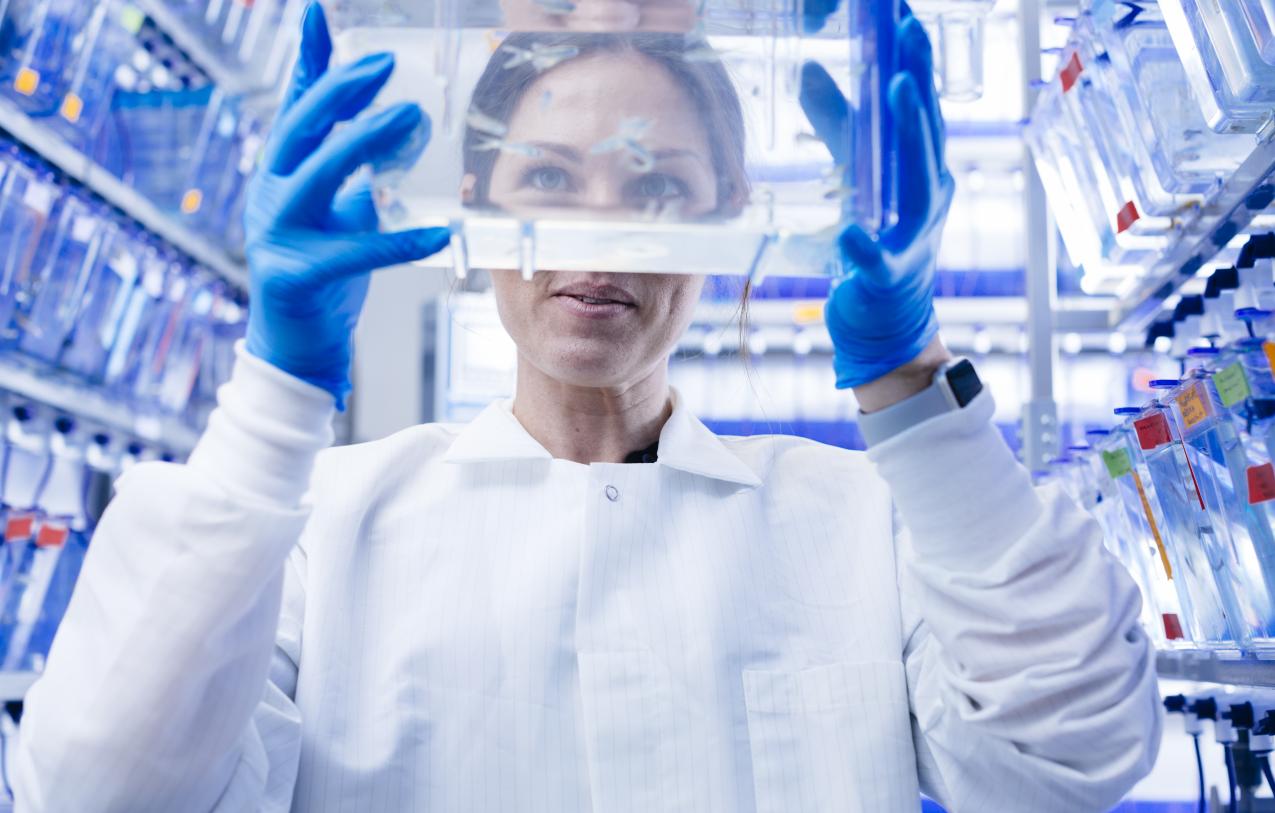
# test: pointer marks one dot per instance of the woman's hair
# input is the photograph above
(705, 82)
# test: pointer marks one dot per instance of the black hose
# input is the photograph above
(1233, 805)
(1199, 768)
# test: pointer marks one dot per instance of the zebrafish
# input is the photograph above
(511, 147)
(483, 123)
(556, 6)
(540, 56)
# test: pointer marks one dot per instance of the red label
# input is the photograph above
(19, 527)
(1153, 431)
(1126, 217)
(1071, 72)
(1261, 483)
(51, 535)
(1172, 627)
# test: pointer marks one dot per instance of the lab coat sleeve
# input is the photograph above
(165, 689)
(1031, 683)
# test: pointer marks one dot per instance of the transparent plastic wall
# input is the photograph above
(657, 136)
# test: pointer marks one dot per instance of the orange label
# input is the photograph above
(19, 527)
(51, 535)
(1193, 403)
(27, 82)
(192, 201)
(1269, 349)
(808, 313)
(72, 108)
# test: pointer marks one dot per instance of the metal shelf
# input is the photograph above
(54, 149)
(230, 76)
(1227, 666)
(14, 685)
(88, 403)
(1249, 192)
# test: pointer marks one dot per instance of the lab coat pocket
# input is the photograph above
(832, 738)
(639, 755)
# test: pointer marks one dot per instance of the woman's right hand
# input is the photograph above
(312, 244)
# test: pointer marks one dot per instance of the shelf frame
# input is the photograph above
(227, 74)
(1227, 667)
(50, 146)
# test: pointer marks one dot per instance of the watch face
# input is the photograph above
(964, 381)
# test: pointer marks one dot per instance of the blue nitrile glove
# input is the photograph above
(311, 244)
(881, 313)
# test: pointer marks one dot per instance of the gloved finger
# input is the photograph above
(916, 166)
(312, 61)
(354, 209)
(366, 141)
(861, 252)
(375, 251)
(816, 13)
(828, 111)
(339, 95)
(905, 10)
(917, 59)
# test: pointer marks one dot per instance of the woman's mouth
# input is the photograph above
(591, 307)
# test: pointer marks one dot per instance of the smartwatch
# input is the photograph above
(955, 385)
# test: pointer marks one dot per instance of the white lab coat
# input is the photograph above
(454, 621)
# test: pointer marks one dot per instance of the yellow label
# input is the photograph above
(191, 201)
(27, 82)
(808, 313)
(72, 108)
(1193, 404)
(131, 19)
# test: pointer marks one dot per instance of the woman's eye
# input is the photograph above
(548, 179)
(655, 186)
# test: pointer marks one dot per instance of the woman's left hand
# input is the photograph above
(881, 313)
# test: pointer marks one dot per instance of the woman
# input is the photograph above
(507, 615)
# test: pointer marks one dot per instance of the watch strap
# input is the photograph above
(942, 396)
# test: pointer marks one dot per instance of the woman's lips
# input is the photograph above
(591, 308)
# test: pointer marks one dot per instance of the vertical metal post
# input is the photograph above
(1040, 413)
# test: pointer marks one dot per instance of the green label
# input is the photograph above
(1232, 384)
(1118, 463)
(131, 19)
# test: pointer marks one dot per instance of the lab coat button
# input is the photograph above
(613, 494)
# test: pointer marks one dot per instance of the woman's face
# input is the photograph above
(602, 329)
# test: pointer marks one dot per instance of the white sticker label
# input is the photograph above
(83, 228)
(153, 282)
(125, 266)
(178, 291)
(38, 198)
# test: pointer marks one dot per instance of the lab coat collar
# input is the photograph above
(686, 444)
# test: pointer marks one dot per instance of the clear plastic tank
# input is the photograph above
(548, 153)
(959, 43)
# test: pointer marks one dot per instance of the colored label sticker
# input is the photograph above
(72, 108)
(131, 19)
(1126, 217)
(51, 535)
(1172, 626)
(1261, 483)
(1153, 431)
(1071, 72)
(19, 527)
(27, 82)
(1118, 463)
(192, 201)
(83, 228)
(38, 198)
(1232, 384)
(1193, 403)
(810, 313)
(1269, 349)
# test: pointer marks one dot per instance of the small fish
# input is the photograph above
(631, 130)
(702, 53)
(556, 6)
(839, 193)
(640, 157)
(483, 123)
(546, 99)
(511, 147)
(539, 56)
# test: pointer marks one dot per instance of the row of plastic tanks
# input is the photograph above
(1155, 106)
(1184, 485)
(88, 293)
(117, 88)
